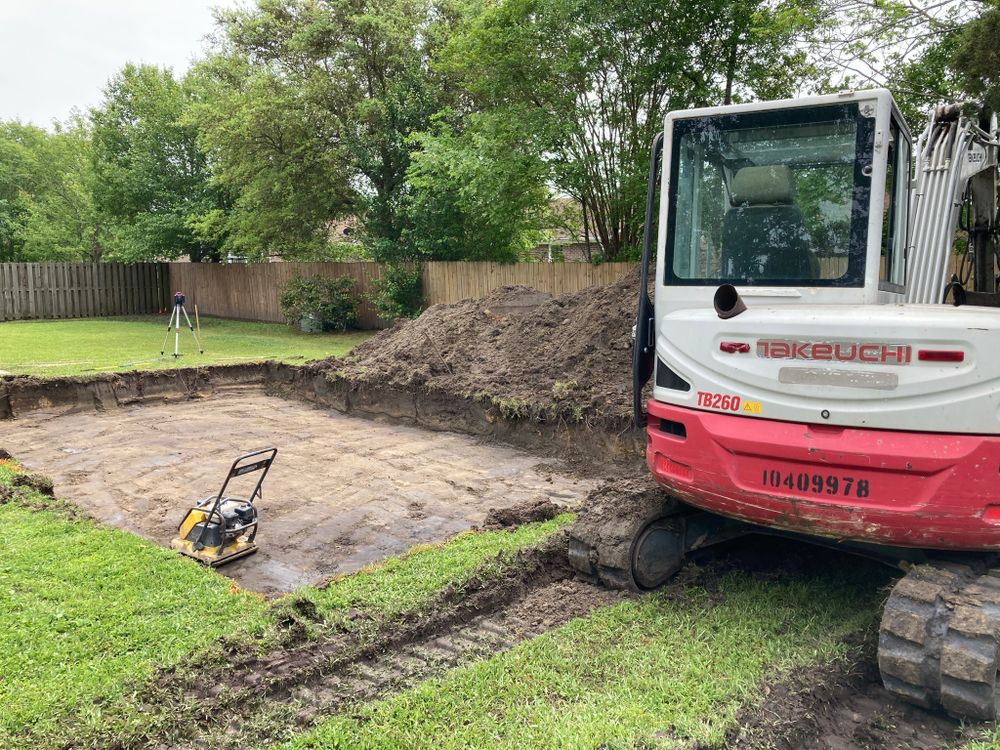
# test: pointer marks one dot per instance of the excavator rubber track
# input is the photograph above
(939, 641)
(603, 540)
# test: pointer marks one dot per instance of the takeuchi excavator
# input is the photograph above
(823, 340)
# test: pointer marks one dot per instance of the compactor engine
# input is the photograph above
(824, 365)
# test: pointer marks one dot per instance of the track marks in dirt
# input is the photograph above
(398, 668)
(843, 706)
(257, 700)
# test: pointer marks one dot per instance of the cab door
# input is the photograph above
(895, 216)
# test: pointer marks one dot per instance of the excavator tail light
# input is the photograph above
(940, 355)
(734, 347)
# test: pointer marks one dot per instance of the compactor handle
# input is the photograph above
(241, 468)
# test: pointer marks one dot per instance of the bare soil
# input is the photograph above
(343, 492)
(843, 706)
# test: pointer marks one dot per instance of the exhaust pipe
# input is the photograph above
(727, 301)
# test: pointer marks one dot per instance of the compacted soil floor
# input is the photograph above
(342, 493)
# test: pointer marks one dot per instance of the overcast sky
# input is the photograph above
(59, 54)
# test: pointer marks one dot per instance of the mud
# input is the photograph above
(343, 492)
(520, 513)
(615, 513)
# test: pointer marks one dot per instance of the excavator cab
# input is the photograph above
(809, 378)
(802, 201)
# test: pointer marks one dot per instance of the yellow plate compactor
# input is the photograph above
(221, 528)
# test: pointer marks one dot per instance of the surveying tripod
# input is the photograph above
(175, 323)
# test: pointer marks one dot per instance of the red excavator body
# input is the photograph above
(904, 489)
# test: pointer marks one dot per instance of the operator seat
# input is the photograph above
(763, 236)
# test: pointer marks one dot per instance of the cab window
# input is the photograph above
(773, 197)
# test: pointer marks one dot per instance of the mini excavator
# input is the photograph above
(221, 528)
(825, 366)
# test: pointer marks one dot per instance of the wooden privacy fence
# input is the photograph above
(81, 290)
(250, 292)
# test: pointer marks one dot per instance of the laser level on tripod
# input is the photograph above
(175, 323)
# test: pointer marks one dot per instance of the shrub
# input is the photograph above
(331, 303)
(399, 293)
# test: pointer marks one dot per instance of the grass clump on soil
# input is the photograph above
(988, 739)
(666, 670)
(85, 611)
(80, 347)
(406, 583)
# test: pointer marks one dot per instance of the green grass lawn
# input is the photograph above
(88, 613)
(86, 610)
(661, 671)
(95, 345)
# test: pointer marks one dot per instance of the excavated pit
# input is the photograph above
(343, 492)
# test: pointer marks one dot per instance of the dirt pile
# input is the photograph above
(529, 354)
(526, 511)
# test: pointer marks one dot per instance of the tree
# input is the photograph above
(352, 83)
(153, 183)
(908, 46)
(928, 52)
(478, 194)
(976, 56)
(46, 183)
(275, 154)
(15, 187)
(593, 80)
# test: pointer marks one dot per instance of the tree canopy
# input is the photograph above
(444, 129)
(47, 182)
(153, 182)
